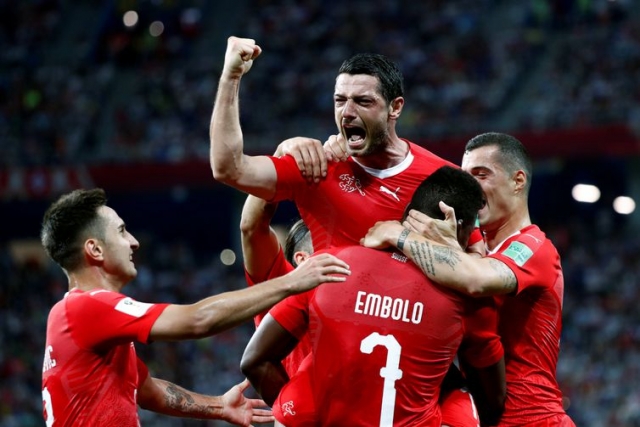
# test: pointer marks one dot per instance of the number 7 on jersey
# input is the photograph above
(390, 372)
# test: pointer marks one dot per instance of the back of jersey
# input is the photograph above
(382, 342)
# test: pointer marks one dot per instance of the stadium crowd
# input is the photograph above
(463, 62)
(476, 54)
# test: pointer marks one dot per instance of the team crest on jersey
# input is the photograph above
(350, 184)
(132, 307)
(287, 408)
(518, 252)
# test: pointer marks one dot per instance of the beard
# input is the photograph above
(377, 142)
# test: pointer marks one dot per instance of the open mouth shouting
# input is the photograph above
(355, 136)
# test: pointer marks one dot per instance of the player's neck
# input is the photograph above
(393, 153)
(92, 278)
(495, 236)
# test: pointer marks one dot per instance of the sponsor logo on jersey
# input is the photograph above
(518, 252)
(538, 241)
(393, 194)
(287, 408)
(350, 184)
(132, 307)
(398, 257)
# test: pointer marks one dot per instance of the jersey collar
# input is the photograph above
(392, 171)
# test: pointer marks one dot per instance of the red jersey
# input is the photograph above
(459, 409)
(279, 268)
(340, 209)
(530, 326)
(388, 331)
(90, 374)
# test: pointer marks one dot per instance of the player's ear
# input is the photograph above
(93, 249)
(395, 107)
(300, 256)
(520, 181)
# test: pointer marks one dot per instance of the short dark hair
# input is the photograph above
(453, 186)
(373, 64)
(67, 221)
(298, 239)
(513, 154)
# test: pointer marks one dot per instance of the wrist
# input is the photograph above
(230, 77)
(402, 237)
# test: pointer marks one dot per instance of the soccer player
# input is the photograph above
(91, 375)
(374, 184)
(522, 270)
(265, 258)
(383, 340)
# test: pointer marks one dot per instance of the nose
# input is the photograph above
(133, 242)
(349, 109)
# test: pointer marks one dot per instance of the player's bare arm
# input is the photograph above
(224, 311)
(170, 399)
(489, 389)
(447, 266)
(253, 174)
(261, 361)
(260, 245)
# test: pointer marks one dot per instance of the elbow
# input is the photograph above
(250, 366)
(475, 290)
(469, 286)
(223, 169)
(247, 367)
(203, 324)
(248, 226)
(222, 173)
(474, 284)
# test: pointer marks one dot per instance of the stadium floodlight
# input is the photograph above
(130, 18)
(624, 205)
(585, 193)
(156, 28)
(228, 257)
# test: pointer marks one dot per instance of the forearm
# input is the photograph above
(488, 387)
(260, 245)
(171, 399)
(224, 311)
(219, 312)
(453, 268)
(226, 149)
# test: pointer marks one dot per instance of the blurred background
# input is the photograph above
(118, 94)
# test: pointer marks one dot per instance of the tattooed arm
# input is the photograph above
(170, 399)
(447, 266)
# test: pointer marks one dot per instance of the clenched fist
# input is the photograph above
(239, 57)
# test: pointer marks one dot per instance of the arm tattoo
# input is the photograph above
(445, 255)
(421, 256)
(507, 277)
(402, 237)
(180, 399)
(427, 256)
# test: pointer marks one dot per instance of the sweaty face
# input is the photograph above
(119, 246)
(497, 185)
(361, 113)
